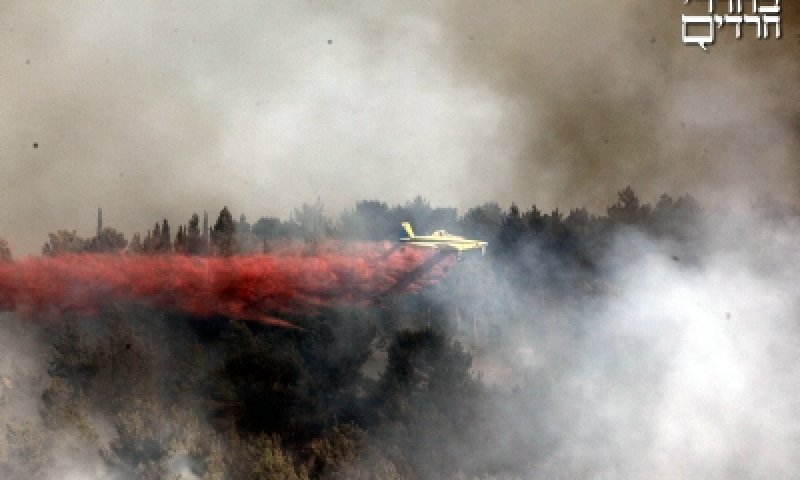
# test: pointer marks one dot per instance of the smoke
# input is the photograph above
(23, 447)
(686, 374)
(265, 106)
(681, 368)
(606, 95)
(678, 368)
(252, 287)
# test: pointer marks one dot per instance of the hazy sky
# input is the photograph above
(156, 109)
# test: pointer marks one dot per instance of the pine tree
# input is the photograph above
(193, 241)
(166, 240)
(223, 242)
(63, 242)
(180, 241)
(136, 244)
(5, 252)
(155, 246)
(108, 240)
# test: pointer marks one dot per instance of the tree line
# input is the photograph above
(373, 220)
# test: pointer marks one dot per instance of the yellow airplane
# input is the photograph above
(441, 240)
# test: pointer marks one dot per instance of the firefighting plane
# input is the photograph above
(442, 241)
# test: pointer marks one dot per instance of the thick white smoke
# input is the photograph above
(680, 369)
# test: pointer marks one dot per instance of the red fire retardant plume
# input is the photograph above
(249, 287)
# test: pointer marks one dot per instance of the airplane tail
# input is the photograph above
(409, 231)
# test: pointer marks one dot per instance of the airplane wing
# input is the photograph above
(468, 246)
(446, 246)
(425, 244)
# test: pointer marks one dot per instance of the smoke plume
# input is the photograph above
(263, 106)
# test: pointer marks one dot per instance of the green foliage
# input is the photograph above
(270, 462)
(107, 372)
(181, 244)
(26, 451)
(627, 209)
(5, 252)
(195, 242)
(429, 400)
(223, 241)
(312, 224)
(242, 226)
(143, 440)
(265, 379)
(74, 360)
(64, 409)
(109, 240)
(338, 449)
(484, 221)
(270, 228)
(424, 218)
(371, 221)
(425, 361)
(62, 242)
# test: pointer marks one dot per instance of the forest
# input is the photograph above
(479, 376)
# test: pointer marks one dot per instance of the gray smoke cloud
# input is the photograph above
(686, 374)
(155, 110)
(677, 369)
(606, 94)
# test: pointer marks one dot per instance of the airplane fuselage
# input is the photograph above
(441, 240)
